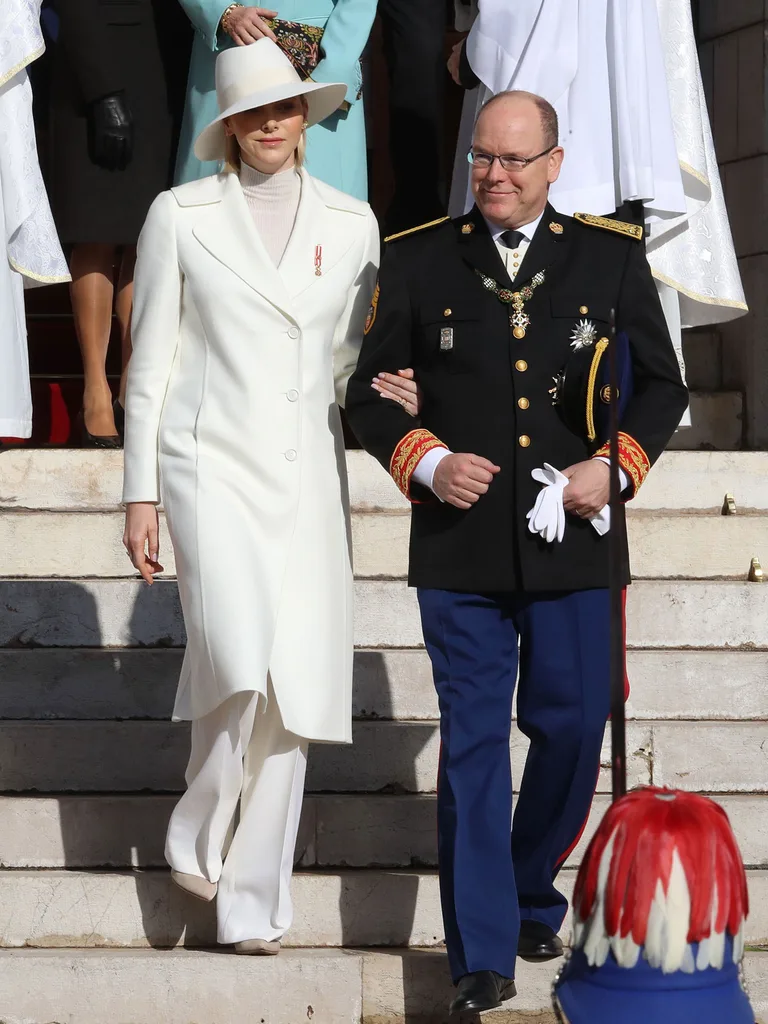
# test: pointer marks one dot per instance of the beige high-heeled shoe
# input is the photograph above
(258, 947)
(195, 885)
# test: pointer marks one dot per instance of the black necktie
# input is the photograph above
(512, 239)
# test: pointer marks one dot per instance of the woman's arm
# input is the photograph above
(85, 38)
(346, 33)
(205, 16)
(155, 334)
(348, 337)
(244, 25)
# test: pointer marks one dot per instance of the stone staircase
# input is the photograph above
(91, 929)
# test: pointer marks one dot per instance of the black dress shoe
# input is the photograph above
(538, 942)
(482, 990)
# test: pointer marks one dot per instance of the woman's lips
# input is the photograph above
(271, 142)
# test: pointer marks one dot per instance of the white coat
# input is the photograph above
(232, 419)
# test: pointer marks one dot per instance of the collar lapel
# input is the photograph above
(313, 228)
(478, 249)
(546, 247)
(227, 231)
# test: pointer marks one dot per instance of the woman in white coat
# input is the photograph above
(252, 289)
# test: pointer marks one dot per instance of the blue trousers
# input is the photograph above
(476, 642)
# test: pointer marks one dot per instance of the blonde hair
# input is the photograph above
(232, 153)
(232, 158)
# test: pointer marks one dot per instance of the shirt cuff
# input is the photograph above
(623, 478)
(424, 473)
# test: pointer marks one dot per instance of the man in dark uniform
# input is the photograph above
(488, 309)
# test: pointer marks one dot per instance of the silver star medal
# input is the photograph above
(584, 335)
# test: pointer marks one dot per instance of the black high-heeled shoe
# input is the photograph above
(89, 440)
(119, 413)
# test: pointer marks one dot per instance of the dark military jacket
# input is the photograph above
(487, 392)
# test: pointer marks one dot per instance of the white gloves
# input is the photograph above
(547, 517)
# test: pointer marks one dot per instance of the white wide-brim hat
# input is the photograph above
(253, 76)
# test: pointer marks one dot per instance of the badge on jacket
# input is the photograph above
(371, 318)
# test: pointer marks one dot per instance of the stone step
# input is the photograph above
(127, 613)
(710, 756)
(84, 479)
(90, 684)
(401, 986)
(53, 757)
(163, 987)
(350, 831)
(349, 908)
(663, 545)
(388, 757)
(717, 419)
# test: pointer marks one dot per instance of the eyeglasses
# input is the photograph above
(509, 163)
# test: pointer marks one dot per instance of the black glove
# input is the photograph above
(110, 132)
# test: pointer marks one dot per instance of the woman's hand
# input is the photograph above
(141, 537)
(402, 388)
(246, 24)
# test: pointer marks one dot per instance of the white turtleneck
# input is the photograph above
(273, 200)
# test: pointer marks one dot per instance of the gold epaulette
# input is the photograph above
(620, 227)
(419, 227)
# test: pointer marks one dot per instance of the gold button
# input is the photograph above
(523, 403)
(515, 264)
(583, 310)
(447, 312)
(524, 441)
(521, 365)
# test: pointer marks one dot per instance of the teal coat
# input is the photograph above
(335, 148)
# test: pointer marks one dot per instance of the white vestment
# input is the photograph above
(624, 78)
(692, 256)
(33, 252)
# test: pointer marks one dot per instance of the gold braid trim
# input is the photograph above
(408, 454)
(620, 227)
(600, 347)
(419, 227)
(632, 459)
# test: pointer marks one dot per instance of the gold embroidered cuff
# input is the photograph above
(408, 454)
(632, 459)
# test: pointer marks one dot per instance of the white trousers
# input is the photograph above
(242, 755)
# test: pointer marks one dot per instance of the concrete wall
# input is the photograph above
(734, 57)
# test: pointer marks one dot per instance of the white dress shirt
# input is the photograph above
(424, 473)
(512, 258)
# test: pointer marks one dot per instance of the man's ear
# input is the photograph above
(554, 164)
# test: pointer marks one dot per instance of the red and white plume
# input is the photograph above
(662, 872)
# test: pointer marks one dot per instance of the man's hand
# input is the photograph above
(454, 62)
(462, 479)
(589, 489)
